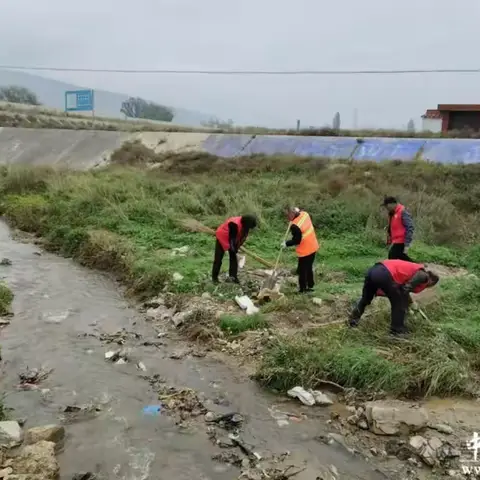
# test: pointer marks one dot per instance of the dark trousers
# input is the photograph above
(217, 262)
(305, 272)
(378, 277)
(397, 252)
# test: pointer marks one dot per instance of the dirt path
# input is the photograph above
(60, 310)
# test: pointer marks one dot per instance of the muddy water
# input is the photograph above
(56, 304)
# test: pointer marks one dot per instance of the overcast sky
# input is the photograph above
(260, 34)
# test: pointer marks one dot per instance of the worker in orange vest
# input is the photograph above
(306, 245)
(230, 236)
(394, 279)
(400, 229)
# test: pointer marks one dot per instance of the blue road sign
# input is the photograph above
(79, 101)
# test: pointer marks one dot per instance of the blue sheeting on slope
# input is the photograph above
(452, 151)
(371, 149)
(226, 146)
(381, 149)
(329, 147)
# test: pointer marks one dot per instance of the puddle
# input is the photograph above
(57, 306)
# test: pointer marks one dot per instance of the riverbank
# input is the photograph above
(126, 220)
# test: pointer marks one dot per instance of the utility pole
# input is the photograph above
(355, 119)
(298, 125)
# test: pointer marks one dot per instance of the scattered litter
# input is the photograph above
(111, 355)
(321, 399)
(184, 402)
(141, 366)
(181, 251)
(75, 413)
(119, 357)
(4, 322)
(229, 421)
(241, 259)
(33, 376)
(268, 295)
(305, 397)
(152, 410)
(5, 262)
(85, 476)
(179, 354)
(317, 301)
(119, 337)
(245, 303)
(56, 318)
(177, 277)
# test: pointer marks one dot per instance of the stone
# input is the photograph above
(5, 262)
(11, 434)
(321, 398)
(317, 301)
(5, 472)
(426, 449)
(141, 366)
(443, 428)
(210, 417)
(179, 318)
(394, 417)
(177, 277)
(39, 460)
(121, 361)
(352, 419)
(48, 433)
(363, 424)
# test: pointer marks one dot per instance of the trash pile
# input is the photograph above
(31, 377)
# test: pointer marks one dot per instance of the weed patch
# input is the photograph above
(6, 299)
(127, 219)
(234, 325)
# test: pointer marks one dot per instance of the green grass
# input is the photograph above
(234, 324)
(125, 219)
(6, 299)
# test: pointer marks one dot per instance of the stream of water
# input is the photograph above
(56, 303)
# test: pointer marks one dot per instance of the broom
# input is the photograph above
(195, 226)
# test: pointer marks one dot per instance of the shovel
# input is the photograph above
(272, 280)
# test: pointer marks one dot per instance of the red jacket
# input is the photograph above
(402, 272)
(397, 230)
(222, 233)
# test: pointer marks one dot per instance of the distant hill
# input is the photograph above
(51, 93)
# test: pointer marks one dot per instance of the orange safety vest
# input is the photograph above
(309, 243)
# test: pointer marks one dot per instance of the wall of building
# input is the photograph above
(432, 125)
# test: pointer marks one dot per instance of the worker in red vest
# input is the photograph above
(394, 279)
(231, 235)
(400, 229)
(306, 245)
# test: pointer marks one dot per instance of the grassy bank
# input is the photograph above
(6, 299)
(126, 220)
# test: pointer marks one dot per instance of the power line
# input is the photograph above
(243, 72)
